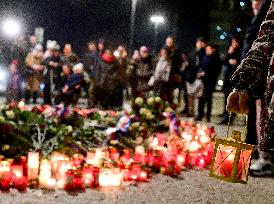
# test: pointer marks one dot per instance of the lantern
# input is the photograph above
(231, 159)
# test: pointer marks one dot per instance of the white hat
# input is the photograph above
(38, 47)
(52, 44)
(78, 66)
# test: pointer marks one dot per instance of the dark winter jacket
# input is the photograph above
(74, 80)
(90, 61)
(211, 66)
(107, 75)
(230, 69)
(255, 75)
(56, 71)
(143, 72)
(195, 58)
(253, 29)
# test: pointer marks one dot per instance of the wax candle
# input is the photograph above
(88, 177)
(45, 179)
(17, 170)
(21, 183)
(4, 167)
(5, 181)
(228, 156)
(110, 177)
(33, 165)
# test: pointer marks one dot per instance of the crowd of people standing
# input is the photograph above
(108, 76)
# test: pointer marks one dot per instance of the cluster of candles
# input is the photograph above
(103, 167)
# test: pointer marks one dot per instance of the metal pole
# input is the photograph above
(132, 24)
(155, 37)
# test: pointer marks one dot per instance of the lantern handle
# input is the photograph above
(229, 123)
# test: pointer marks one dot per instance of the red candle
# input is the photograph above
(17, 170)
(228, 154)
(6, 181)
(21, 183)
(88, 177)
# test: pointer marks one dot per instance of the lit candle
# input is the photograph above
(140, 156)
(227, 163)
(33, 165)
(45, 179)
(17, 170)
(88, 177)
(4, 167)
(62, 167)
(97, 158)
(110, 177)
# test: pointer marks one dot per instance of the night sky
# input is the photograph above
(77, 21)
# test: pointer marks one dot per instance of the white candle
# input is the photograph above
(33, 165)
(110, 177)
(4, 167)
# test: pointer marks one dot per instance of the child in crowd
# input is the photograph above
(72, 89)
(63, 80)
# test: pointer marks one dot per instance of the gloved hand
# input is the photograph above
(237, 102)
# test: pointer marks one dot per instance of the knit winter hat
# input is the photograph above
(78, 67)
(38, 47)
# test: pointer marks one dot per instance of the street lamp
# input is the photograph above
(156, 20)
(132, 24)
(11, 27)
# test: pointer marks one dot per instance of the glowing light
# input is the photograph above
(116, 53)
(157, 19)
(111, 177)
(242, 4)
(188, 137)
(238, 30)
(220, 82)
(218, 28)
(222, 37)
(204, 139)
(11, 27)
(194, 146)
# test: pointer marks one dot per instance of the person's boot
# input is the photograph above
(263, 167)
(27, 96)
(35, 96)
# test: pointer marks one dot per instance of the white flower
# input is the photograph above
(69, 129)
(158, 99)
(150, 101)
(10, 114)
(2, 119)
(5, 147)
(139, 101)
(168, 110)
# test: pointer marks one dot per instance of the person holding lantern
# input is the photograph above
(254, 80)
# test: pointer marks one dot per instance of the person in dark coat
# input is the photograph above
(52, 72)
(175, 78)
(72, 89)
(209, 69)
(142, 73)
(260, 8)
(232, 61)
(254, 79)
(90, 61)
(69, 57)
(107, 82)
(67, 70)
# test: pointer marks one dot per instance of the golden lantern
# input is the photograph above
(231, 158)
